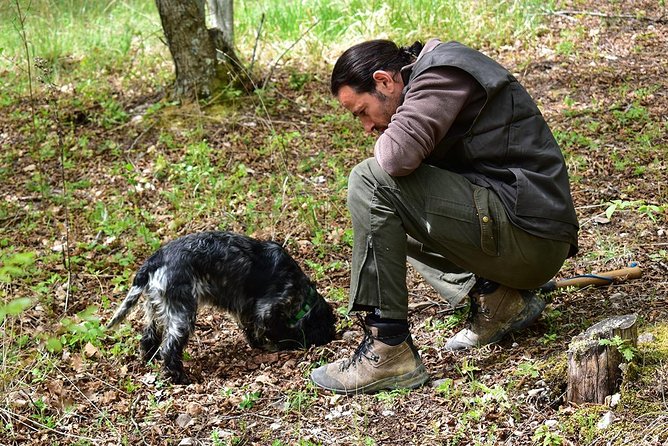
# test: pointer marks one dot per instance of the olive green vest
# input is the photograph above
(508, 148)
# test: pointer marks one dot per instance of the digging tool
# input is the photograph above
(604, 278)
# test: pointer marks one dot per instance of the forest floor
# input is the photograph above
(106, 185)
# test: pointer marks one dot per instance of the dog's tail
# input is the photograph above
(139, 284)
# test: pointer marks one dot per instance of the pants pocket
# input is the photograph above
(471, 224)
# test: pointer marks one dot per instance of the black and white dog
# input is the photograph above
(257, 282)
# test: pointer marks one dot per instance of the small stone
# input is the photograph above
(646, 338)
(186, 442)
(551, 423)
(606, 420)
(183, 420)
(534, 392)
(437, 382)
(614, 400)
(194, 409)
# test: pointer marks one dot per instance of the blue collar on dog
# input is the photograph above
(308, 303)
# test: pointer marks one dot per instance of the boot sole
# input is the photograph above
(410, 380)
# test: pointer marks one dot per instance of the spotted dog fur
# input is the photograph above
(257, 282)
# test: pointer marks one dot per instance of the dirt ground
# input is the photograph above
(599, 72)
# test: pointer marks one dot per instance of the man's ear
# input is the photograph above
(385, 82)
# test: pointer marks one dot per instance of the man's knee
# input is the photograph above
(361, 181)
(368, 175)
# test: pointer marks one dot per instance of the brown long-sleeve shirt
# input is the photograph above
(439, 100)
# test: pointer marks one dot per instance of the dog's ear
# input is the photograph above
(319, 324)
(277, 321)
(316, 326)
(268, 324)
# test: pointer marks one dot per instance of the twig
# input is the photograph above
(99, 411)
(141, 135)
(24, 41)
(257, 39)
(108, 7)
(66, 246)
(134, 421)
(273, 67)
(419, 306)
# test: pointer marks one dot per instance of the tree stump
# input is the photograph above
(593, 367)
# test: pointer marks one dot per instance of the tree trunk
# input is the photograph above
(192, 48)
(222, 35)
(593, 368)
(223, 18)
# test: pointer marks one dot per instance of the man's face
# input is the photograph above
(375, 109)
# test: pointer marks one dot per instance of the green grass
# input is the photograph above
(90, 37)
(125, 35)
(356, 20)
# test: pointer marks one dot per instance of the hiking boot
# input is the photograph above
(375, 365)
(496, 310)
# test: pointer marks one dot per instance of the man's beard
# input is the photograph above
(387, 108)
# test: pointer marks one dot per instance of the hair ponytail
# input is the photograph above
(413, 50)
(357, 64)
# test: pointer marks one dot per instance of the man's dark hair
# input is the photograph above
(357, 64)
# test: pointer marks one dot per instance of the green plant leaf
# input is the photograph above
(16, 306)
(610, 210)
(54, 345)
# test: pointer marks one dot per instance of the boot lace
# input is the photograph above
(364, 350)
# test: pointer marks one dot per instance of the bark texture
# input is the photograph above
(593, 368)
(191, 46)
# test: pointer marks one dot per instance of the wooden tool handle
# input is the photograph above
(604, 278)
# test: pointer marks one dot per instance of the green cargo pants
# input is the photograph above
(449, 229)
